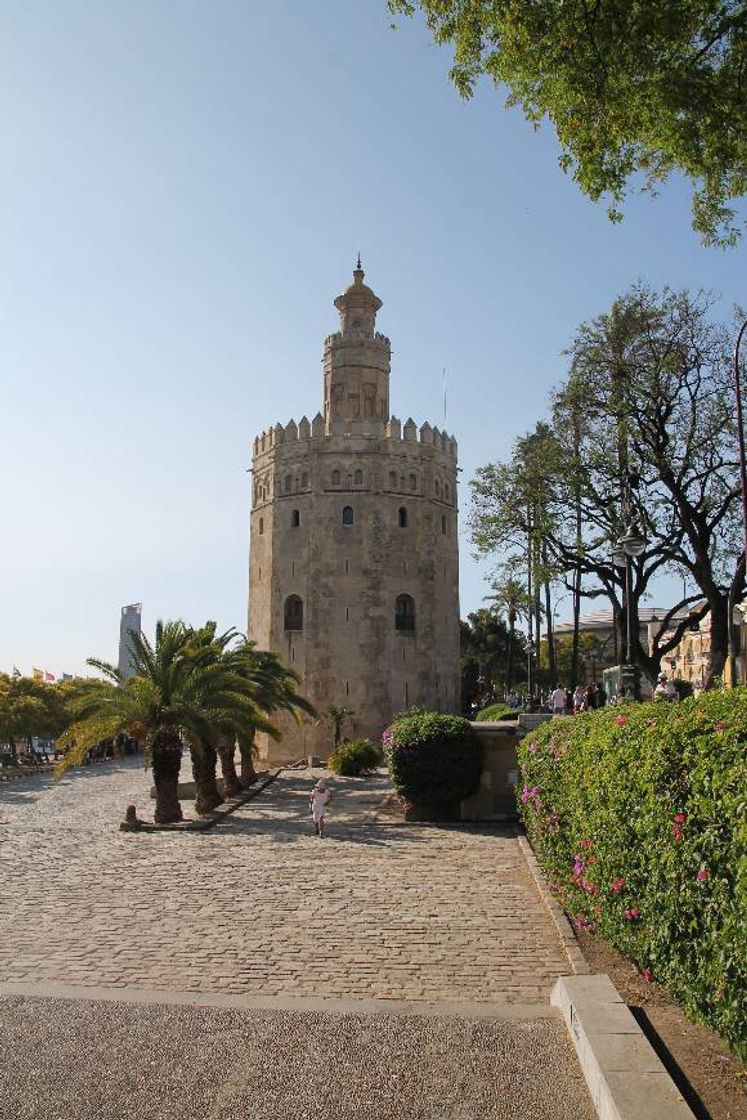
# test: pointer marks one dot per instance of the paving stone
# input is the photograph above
(261, 904)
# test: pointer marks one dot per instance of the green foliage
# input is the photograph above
(354, 757)
(495, 712)
(634, 90)
(336, 715)
(434, 759)
(638, 816)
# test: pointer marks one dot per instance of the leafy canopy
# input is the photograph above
(635, 89)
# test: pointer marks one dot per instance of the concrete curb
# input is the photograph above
(302, 1004)
(213, 818)
(626, 1080)
(562, 925)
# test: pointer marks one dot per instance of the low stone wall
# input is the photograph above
(496, 797)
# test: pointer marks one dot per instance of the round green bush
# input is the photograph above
(434, 760)
(354, 757)
(495, 712)
(638, 815)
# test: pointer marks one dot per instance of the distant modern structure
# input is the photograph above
(353, 571)
(130, 621)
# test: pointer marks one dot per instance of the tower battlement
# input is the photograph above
(393, 430)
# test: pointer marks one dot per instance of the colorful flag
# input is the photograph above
(49, 676)
(67, 676)
(16, 670)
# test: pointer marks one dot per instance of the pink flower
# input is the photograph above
(581, 921)
(621, 721)
(617, 885)
(703, 875)
(680, 818)
(646, 974)
(591, 859)
(533, 748)
(632, 914)
(676, 832)
(586, 844)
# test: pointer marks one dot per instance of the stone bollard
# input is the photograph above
(131, 822)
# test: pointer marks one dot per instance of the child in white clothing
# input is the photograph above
(318, 801)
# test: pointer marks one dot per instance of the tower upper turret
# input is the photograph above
(356, 363)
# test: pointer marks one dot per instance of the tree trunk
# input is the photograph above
(510, 657)
(204, 762)
(248, 773)
(231, 783)
(167, 761)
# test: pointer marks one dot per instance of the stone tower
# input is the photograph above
(353, 569)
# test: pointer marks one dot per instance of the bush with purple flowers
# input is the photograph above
(639, 819)
(434, 760)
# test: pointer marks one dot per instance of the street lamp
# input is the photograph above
(631, 544)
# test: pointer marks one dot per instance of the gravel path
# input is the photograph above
(86, 1060)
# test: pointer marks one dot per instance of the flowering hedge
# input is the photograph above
(638, 816)
(434, 760)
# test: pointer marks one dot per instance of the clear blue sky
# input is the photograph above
(184, 188)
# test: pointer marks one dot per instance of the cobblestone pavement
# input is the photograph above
(260, 905)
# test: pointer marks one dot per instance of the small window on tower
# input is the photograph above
(305, 479)
(404, 613)
(288, 483)
(358, 478)
(335, 478)
(261, 526)
(392, 480)
(413, 482)
(402, 517)
(438, 489)
(447, 492)
(293, 614)
(348, 517)
(443, 524)
(295, 519)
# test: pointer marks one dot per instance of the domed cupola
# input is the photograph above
(358, 305)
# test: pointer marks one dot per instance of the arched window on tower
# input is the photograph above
(261, 526)
(402, 517)
(404, 613)
(335, 478)
(438, 489)
(447, 492)
(348, 517)
(392, 480)
(295, 518)
(443, 524)
(305, 479)
(358, 478)
(413, 483)
(293, 615)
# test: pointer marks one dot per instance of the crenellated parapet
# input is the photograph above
(293, 434)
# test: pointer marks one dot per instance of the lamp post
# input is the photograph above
(740, 434)
(530, 651)
(631, 544)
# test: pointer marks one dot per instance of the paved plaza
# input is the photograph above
(261, 909)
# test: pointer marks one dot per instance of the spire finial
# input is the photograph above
(358, 265)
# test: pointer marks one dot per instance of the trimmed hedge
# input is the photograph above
(494, 712)
(354, 757)
(434, 760)
(638, 815)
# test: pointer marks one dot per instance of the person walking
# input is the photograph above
(557, 701)
(318, 801)
(578, 699)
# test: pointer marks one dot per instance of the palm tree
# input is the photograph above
(180, 691)
(274, 688)
(336, 714)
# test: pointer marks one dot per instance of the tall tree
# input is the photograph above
(635, 89)
(642, 432)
